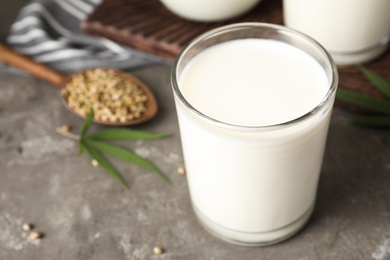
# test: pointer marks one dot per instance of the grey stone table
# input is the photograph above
(85, 214)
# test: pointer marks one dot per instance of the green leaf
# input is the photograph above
(380, 83)
(81, 147)
(86, 123)
(124, 134)
(126, 155)
(84, 128)
(370, 103)
(372, 121)
(103, 162)
(95, 148)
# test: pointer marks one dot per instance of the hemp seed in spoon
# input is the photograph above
(113, 98)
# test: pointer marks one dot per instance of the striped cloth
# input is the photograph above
(48, 31)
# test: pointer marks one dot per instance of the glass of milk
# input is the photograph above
(352, 31)
(253, 102)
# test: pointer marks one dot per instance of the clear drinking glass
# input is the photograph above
(253, 185)
(352, 31)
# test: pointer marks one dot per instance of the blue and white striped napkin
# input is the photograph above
(49, 32)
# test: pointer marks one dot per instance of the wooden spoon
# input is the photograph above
(59, 80)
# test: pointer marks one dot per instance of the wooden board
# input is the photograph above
(148, 26)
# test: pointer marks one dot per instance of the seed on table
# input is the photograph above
(26, 227)
(65, 128)
(158, 250)
(95, 163)
(181, 170)
(35, 235)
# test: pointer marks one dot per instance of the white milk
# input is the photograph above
(352, 31)
(208, 11)
(248, 185)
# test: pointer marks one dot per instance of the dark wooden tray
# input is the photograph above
(148, 26)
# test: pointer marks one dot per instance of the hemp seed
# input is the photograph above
(95, 163)
(181, 170)
(114, 98)
(35, 235)
(158, 250)
(65, 128)
(26, 227)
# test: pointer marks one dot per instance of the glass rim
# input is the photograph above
(333, 82)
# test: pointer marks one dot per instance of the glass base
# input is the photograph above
(256, 238)
(359, 57)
